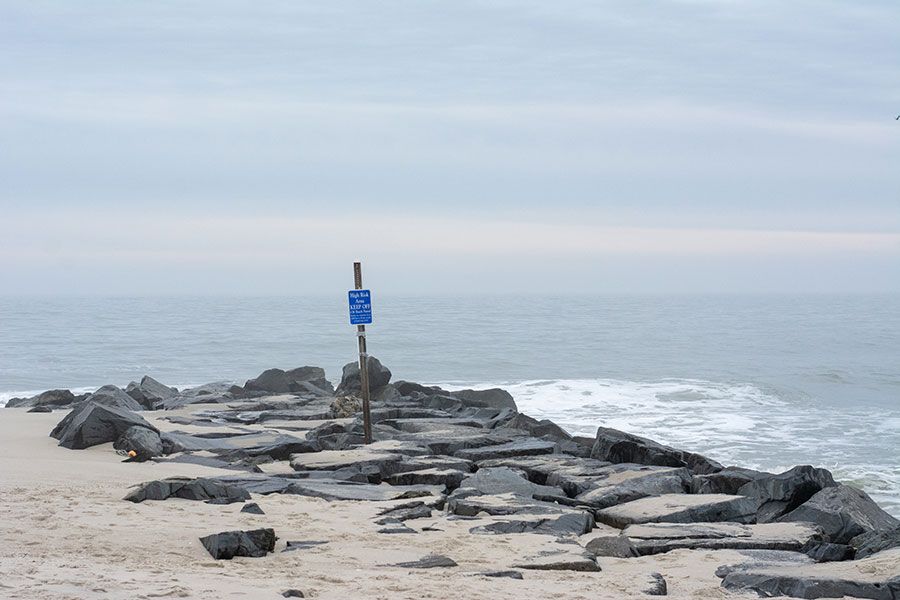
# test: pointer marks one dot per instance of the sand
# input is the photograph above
(67, 533)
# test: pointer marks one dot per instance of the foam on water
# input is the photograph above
(736, 424)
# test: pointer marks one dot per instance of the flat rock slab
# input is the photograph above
(510, 574)
(551, 469)
(333, 489)
(568, 524)
(876, 577)
(502, 504)
(434, 561)
(844, 512)
(619, 485)
(188, 489)
(449, 478)
(656, 538)
(503, 480)
(559, 560)
(291, 546)
(680, 508)
(620, 447)
(526, 447)
(331, 460)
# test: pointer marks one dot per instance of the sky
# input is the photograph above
(632, 146)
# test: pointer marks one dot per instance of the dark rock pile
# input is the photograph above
(470, 453)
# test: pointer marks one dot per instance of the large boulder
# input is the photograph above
(149, 392)
(727, 481)
(111, 395)
(843, 512)
(680, 508)
(782, 493)
(51, 398)
(620, 447)
(145, 443)
(872, 542)
(379, 376)
(299, 380)
(227, 545)
(633, 482)
(494, 398)
(90, 424)
(656, 538)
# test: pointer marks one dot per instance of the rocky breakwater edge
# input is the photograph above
(469, 456)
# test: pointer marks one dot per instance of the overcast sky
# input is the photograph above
(458, 146)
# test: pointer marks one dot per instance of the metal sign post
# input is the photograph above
(360, 315)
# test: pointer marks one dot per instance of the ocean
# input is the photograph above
(759, 381)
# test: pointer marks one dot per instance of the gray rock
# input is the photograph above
(188, 489)
(827, 552)
(252, 508)
(573, 475)
(620, 447)
(145, 443)
(302, 545)
(680, 508)
(727, 481)
(782, 493)
(494, 398)
(434, 561)
(331, 489)
(329, 460)
(50, 398)
(563, 560)
(299, 380)
(656, 586)
(110, 395)
(149, 392)
(526, 447)
(616, 546)
(502, 480)
(656, 538)
(90, 424)
(40, 409)
(567, 524)
(404, 512)
(379, 376)
(872, 542)
(510, 574)
(843, 512)
(501, 504)
(293, 593)
(278, 446)
(449, 478)
(226, 545)
(632, 483)
(397, 527)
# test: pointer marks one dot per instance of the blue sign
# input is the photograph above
(360, 307)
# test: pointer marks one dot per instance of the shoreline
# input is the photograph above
(74, 536)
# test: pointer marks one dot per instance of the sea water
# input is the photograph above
(759, 381)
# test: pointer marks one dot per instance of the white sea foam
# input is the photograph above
(736, 424)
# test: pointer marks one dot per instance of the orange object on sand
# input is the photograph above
(132, 453)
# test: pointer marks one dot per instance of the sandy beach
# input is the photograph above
(69, 535)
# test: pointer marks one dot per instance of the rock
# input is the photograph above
(299, 380)
(396, 527)
(871, 542)
(502, 480)
(302, 545)
(620, 447)
(562, 560)
(680, 508)
(782, 493)
(146, 443)
(656, 538)
(616, 546)
(278, 446)
(449, 478)
(90, 424)
(573, 475)
(379, 376)
(448, 439)
(827, 552)
(149, 392)
(435, 461)
(763, 559)
(433, 561)
(876, 577)
(332, 489)
(502, 504)
(345, 406)
(226, 545)
(404, 512)
(494, 397)
(510, 574)
(526, 447)
(384, 462)
(50, 398)
(632, 483)
(656, 586)
(567, 524)
(843, 512)
(293, 593)
(110, 395)
(252, 508)
(189, 489)
(40, 409)
(727, 481)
